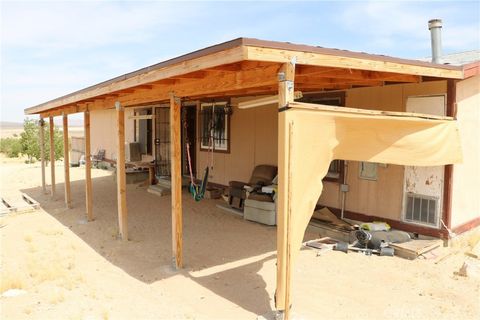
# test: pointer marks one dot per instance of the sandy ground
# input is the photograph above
(71, 269)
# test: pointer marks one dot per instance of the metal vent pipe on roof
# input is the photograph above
(435, 27)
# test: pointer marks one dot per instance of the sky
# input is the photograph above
(49, 49)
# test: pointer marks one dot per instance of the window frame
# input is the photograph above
(224, 104)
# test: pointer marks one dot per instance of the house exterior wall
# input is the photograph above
(103, 130)
(253, 141)
(383, 197)
(466, 176)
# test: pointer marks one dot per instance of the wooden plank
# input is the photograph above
(42, 152)
(88, 167)
(352, 74)
(415, 248)
(176, 163)
(286, 95)
(52, 156)
(319, 81)
(203, 62)
(66, 162)
(121, 176)
(327, 108)
(339, 61)
(34, 203)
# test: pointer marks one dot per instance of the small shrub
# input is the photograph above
(12, 147)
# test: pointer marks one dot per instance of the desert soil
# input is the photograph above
(71, 269)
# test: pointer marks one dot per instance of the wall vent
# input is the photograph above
(421, 209)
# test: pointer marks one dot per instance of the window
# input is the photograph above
(333, 98)
(143, 130)
(421, 209)
(334, 170)
(215, 126)
(367, 170)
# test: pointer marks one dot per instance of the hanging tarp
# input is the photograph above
(311, 136)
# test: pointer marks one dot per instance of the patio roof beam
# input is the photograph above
(348, 62)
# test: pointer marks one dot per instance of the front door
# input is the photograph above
(162, 140)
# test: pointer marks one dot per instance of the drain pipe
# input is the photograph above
(435, 27)
(344, 186)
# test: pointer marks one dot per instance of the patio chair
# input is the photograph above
(262, 175)
(99, 157)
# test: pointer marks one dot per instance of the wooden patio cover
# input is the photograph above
(246, 67)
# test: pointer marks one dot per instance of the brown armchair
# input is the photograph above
(262, 175)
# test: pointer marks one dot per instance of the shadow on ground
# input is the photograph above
(218, 246)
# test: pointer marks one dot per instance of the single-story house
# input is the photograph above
(262, 97)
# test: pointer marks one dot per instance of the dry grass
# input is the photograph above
(11, 280)
(42, 270)
(51, 232)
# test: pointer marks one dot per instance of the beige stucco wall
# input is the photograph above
(466, 176)
(253, 141)
(383, 197)
(103, 131)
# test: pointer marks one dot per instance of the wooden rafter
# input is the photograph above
(219, 84)
(307, 72)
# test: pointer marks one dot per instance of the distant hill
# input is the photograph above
(11, 125)
(58, 123)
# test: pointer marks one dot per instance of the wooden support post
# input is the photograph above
(176, 162)
(66, 162)
(286, 94)
(88, 166)
(42, 152)
(121, 177)
(52, 155)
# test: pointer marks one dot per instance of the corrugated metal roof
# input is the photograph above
(459, 58)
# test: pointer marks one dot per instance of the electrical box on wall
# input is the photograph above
(344, 187)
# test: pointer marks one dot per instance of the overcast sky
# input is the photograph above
(49, 49)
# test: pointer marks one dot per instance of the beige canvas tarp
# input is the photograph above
(311, 136)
